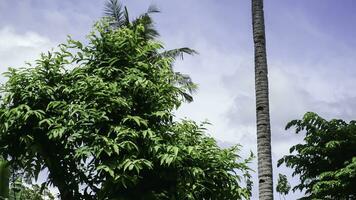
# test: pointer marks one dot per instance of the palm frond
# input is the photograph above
(146, 20)
(185, 81)
(187, 97)
(174, 53)
(114, 9)
(126, 16)
(187, 84)
(150, 30)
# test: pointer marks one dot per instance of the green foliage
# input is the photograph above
(20, 191)
(11, 189)
(4, 179)
(283, 187)
(98, 117)
(326, 162)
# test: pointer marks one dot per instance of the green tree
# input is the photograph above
(283, 187)
(265, 172)
(99, 118)
(326, 161)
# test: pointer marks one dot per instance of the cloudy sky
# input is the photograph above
(311, 56)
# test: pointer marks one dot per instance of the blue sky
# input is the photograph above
(311, 56)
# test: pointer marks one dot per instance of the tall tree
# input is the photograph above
(99, 117)
(265, 175)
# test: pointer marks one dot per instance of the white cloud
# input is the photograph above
(16, 48)
(226, 95)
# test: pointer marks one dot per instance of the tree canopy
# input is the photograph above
(98, 116)
(326, 161)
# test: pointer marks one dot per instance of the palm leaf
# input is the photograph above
(114, 9)
(187, 97)
(126, 16)
(180, 79)
(187, 84)
(120, 16)
(146, 20)
(174, 53)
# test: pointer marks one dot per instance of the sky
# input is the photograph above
(311, 49)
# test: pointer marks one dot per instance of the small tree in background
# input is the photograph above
(99, 118)
(326, 161)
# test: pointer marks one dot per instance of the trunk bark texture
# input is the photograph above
(265, 177)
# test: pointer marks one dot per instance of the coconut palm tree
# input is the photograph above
(265, 175)
(120, 18)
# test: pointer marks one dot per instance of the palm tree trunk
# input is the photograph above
(265, 177)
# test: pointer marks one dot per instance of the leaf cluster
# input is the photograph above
(19, 190)
(326, 161)
(283, 187)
